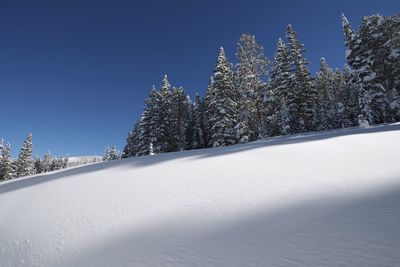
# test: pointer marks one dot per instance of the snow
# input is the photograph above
(369, 77)
(81, 160)
(377, 35)
(394, 53)
(326, 199)
(348, 52)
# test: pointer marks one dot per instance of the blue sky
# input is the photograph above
(75, 73)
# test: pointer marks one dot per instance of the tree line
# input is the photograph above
(257, 98)
(26, 164)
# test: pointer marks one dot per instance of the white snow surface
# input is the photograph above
(81, 160)
(318, 199)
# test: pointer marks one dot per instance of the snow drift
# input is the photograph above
(322, 199)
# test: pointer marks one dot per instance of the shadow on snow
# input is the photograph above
(359, 231)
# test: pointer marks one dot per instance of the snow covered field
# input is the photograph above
(326, 199)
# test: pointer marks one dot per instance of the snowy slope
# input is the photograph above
(327, 199)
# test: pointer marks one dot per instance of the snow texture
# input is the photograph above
(316, 199)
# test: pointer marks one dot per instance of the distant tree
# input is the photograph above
(24, 164)
(111, 153)
(56, 164)
(47, 161)
(6, 171)
(106, 156)
(114, 154)
(38, 164)
(65, 162)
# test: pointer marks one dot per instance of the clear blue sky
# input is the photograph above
(75, 73)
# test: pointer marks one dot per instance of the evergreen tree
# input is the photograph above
(132, 143)
(65, 162)
(164, 141)
(250, 79)
(6, 171)
(306, 97)
(222, 105)
(187, 127)
(1, 148)
(190, 126)
(280, 97)
(148, 126)
(24, 164)
(208, 112)
(56, 164)
(325, 90)
(179, 120)
(106, 156)
(350, 99)
(198, 139)
(38, 164)
(47, 161)
(113, 153)
(361, 57)
(391, 70)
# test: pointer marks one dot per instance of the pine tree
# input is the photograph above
(6, 171)
(1, 148)
(222, 106)
(148, 126)
(164, 137)
(198, 138)
(106, 156)
(391, 68)
(180, 115)
(47, 161)
(306, 97)
(56, 164)
(132, 143)
(350, 99)
(325, 90)
(24, 165)
(208, 112)
(186, 126)
(250, 79)
(280, 97)
(65, 162)
(113, 153)
(360, 57)
(38, 164)
(341, 101)
(190, 127)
